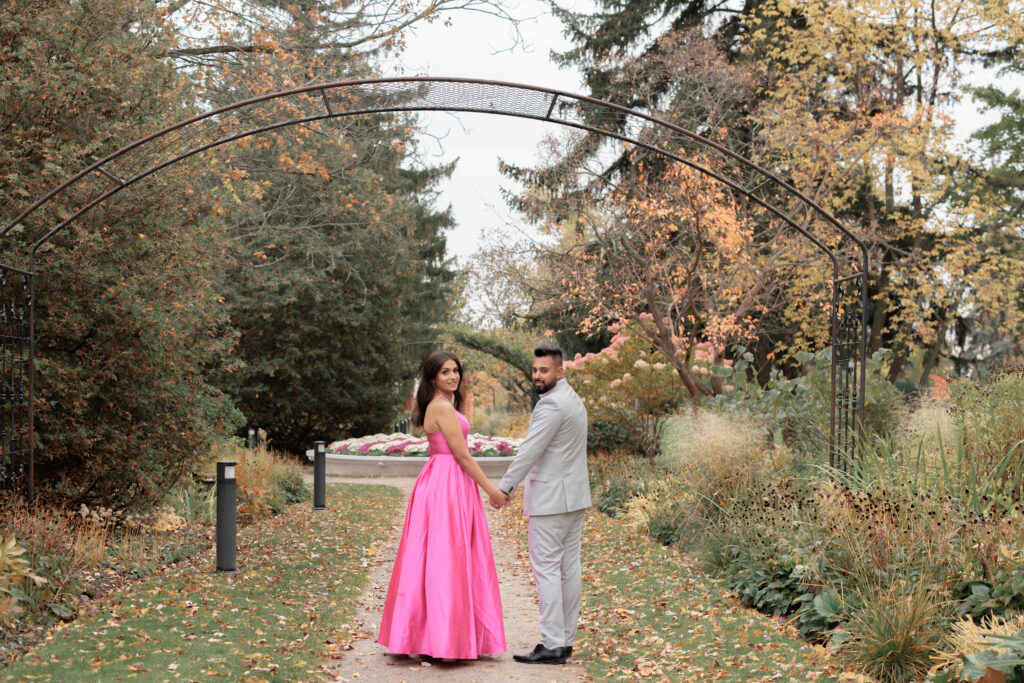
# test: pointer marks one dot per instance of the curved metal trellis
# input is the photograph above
(777, 198)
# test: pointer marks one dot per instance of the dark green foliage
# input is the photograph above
(819, 614)
(127, 320)
(772, 585)
(1002, 594)
(665, 524)
(613, 498)
(607, 435)
(337, 261)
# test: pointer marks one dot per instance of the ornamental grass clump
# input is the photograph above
(895, 634)
(616, 478)
(718, 459)
(990, 419)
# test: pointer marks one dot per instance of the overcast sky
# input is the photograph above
(482, 46)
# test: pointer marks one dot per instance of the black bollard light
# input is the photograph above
(226, 528)
(319, 475)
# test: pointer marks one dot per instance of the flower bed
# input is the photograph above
(399, 445)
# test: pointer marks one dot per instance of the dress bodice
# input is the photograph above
(436, 443)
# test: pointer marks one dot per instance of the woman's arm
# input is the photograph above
(442, 414)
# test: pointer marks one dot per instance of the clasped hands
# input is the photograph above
(499, 499)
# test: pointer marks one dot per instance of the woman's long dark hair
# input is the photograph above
(425, 393)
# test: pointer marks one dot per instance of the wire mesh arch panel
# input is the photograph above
(16, 461)
(309, 107)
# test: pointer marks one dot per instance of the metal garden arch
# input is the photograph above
(153, 153)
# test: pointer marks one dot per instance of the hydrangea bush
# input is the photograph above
(627, 385)
(375, 445)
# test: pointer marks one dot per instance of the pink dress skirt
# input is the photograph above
(443, 600)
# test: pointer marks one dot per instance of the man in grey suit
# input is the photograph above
(553, 460)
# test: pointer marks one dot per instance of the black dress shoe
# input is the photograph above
(543, 655)
(567, 651)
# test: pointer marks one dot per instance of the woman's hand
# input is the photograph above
(499, 498)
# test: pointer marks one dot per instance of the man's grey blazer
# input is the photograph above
(553, 457)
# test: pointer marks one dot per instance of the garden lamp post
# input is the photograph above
(319, 475)
(226, 522)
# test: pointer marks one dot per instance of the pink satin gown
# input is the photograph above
(443, 599)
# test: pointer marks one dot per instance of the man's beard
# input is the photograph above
(544, 388)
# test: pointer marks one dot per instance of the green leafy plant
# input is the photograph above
(1000, 594)
(796, 410)
(773, 585)
(818, 614)
(15, 570)
(1007, 657)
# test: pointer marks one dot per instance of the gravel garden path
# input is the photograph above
(359, 657)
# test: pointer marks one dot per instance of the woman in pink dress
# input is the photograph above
(443, 599)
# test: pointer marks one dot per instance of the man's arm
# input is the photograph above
(544, 424)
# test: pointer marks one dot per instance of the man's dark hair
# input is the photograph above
(549, 350)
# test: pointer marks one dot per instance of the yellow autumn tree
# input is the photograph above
(858, 115)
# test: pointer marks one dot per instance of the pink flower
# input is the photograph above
(577, 356)
(658, 366)
(641, 363)
(646, 316)
(615, 383)
(614, 327)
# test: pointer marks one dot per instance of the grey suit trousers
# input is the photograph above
(555, 559)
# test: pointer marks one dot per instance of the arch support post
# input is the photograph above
(849, 369)
(17, 461)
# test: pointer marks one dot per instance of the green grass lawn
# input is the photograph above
(649, 612)
(300, 573)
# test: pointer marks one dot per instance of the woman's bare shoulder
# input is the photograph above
(438, 407)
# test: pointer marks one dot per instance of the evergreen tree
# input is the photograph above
(128, 320)
(337, 259)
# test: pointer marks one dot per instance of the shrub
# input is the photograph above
(796, 410)
(267, 481)
(609, 435)
(625, 386)
(895, 634)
